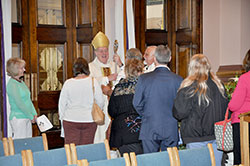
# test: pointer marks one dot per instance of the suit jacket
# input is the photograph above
(153, 100)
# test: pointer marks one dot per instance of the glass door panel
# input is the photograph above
(50, 12)
(84, 13)
(16, 11)
(155, 14)
(17, 50)
(50, 67)
(85, 51)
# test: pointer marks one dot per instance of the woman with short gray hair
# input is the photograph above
(22, 110)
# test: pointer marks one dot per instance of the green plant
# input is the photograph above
(230, 86)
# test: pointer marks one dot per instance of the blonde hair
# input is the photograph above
(133, 67)
(13, 65)
(199, 70)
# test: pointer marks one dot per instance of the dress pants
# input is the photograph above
(79, 133)
(150, 146)
(21, 128)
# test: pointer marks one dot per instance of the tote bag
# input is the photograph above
(97, 113)
(224, 134)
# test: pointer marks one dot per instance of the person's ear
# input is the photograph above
(170, 58)
(155, 61)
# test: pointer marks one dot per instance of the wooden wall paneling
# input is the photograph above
(70, 53)
(100, 19)
(50, 100)
(140, 24)
(183, 14)
(187, 33)
(168, 22)
(156, 37)
(17, 30)
(33, 46)
(183, 56)
(32, 56)
(183, 19)
(51, 34)
(25, 34)
(226, 72)
(86, 31)
(84, 35)
(172, 35)
(159, 36)
(84, 6)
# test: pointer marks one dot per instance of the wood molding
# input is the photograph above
(228, 71)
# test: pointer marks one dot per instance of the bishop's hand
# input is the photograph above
(117, 60)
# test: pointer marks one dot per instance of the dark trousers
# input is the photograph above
(79, 133)
(134, 147)
(236, 139)
(150, 146)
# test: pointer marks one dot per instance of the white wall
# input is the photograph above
(110, 25)
(245, 28)
(211, 32)
(230, 32)
(6, 9)
(226, 36)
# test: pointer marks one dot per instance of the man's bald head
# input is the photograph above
(149, 54)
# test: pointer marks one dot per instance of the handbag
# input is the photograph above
(97, 113)
(224, 134)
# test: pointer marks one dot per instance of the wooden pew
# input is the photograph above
(244, 137)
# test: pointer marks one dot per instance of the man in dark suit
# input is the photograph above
(153, 100)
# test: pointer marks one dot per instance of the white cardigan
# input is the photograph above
(76, 99)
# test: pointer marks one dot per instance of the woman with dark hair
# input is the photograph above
(22, 110)
(126, 122)
(75, 105)
(240, 103)
(200, 102)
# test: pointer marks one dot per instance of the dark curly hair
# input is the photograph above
(80, 66)
(246, 61)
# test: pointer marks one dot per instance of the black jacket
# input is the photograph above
(126, 122)
(197, 122)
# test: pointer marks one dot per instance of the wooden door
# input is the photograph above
(50, 35)
(179, 27)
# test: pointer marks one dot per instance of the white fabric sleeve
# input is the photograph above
(62, 104)
(98, 94)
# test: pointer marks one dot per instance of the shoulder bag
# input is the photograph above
(224, 134)
(97, 113)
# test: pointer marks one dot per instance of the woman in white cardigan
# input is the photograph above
(75, 105)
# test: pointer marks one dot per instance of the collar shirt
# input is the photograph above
(149, 68)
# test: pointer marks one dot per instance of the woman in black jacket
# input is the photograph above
(126, 122)
(201, 101)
